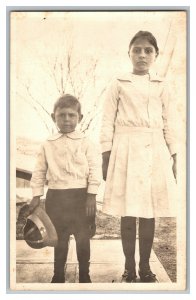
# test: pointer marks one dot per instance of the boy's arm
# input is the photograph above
(39, 174)
(91, 205)
(34, 203)
(94, 159)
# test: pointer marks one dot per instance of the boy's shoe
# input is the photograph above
(129, 276)
(84, 278)
(58, 278)
(147, 276)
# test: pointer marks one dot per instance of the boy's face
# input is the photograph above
(142, 55)
(66, 119)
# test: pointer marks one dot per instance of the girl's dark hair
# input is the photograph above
(67, 100)
(148, 36)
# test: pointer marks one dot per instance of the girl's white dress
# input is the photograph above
(137, 128)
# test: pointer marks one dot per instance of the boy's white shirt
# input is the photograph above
(67, 161)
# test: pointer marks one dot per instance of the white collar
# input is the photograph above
(128, 77)
(74, 135)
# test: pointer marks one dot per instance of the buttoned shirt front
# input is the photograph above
(67, 161)
(130, 104)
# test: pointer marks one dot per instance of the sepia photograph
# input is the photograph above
(98, 132)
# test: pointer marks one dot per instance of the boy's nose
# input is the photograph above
(66, 117)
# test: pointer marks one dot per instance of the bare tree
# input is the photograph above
(67, 72)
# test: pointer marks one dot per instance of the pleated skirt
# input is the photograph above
(140, 180)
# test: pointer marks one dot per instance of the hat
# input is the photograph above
(39, 231)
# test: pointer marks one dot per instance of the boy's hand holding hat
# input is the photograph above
(27, 209)
(34, 203)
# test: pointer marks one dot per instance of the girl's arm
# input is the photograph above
(105, 163)
(170, 122)
(174, 167)
(109, 116)
(169, 115)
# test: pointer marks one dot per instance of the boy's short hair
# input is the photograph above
(67, 100)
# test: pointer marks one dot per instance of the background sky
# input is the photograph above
(97, 43)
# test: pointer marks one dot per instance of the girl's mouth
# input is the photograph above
(141, 63)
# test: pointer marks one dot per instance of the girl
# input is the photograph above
(136, 135)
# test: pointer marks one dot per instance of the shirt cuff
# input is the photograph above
(173, 148)
(106, 146)
(92, 189)
(38, 192)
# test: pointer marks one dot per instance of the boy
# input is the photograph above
(72, 166)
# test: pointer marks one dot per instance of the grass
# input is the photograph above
(165, 245)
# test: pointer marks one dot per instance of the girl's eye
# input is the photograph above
(148, 50)
(136, 50)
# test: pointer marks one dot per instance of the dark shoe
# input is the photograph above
(84, 278)
(147, 276)
(129, 276)
(58, 278)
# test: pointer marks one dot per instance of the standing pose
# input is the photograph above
(139, 170)
(71, 164)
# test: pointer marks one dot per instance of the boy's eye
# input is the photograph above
(69, 115)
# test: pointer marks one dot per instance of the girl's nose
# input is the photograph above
(142, 53)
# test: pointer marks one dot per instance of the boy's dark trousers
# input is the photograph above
(67, 211)
(128, 236)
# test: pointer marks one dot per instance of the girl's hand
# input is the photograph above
(105, 163)
(91, 205)
(34, 203)
(174, 166)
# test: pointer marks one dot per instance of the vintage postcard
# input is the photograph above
(120, 78)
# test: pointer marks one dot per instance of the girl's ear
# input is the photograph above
(53, 117)
(80, 118)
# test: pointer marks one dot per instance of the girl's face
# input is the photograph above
(66, 119)
(142, 55)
